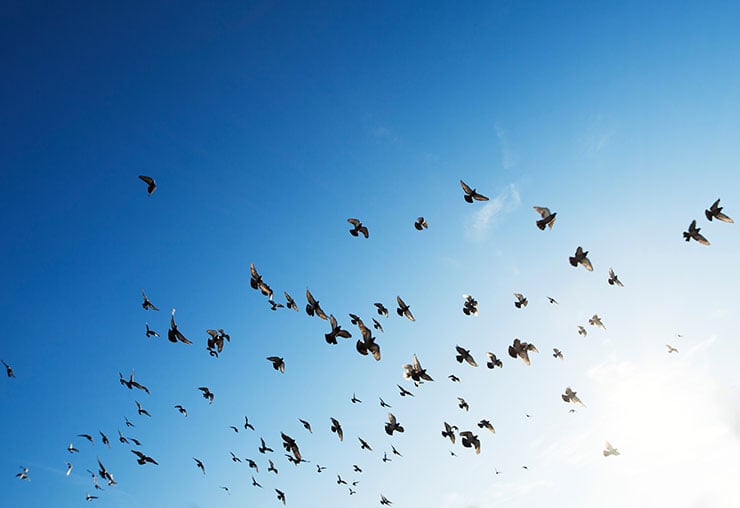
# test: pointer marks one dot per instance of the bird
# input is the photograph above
(88, 437)
(151, 185)
(613, 279)
(580, 258)
(263, 447)
(596, 321)
(207, 394)
(493, 361)
(421, 224)
(306, 425)
(385, 458)
(69, 468)
(247, 425)
(234, 428)
(403, 309)
(150, 332)
(464, 355)
(105, 474)
(289, 302)
(200, 465)
(336, 427)
(122, 438)
(23, 475)
(275, 305)
(415, 372)
(280, 495)
(271, 467)
(485, 424)
(548, 218)
(182, 410)
(277, 363)
(291, 446)
(356, 468)
(320, 468)
(253, 465)
(470, 307)
(72, 449)
(403, 391)
(141, 410)
(470, 440)
(521, 349)
(556, 353)
(471, 194)
(336, 331)
(313, 307)
(216, 338)
(351, 492)
(143, 459)
(354, 399)
(671, 349)
(173, 335)
(552, 300)
(364, 445)
(392, 425)
(136, 441)
(88, 496)
(715, 212)
(521, 301)
(454, 378)
(367, 344)
(384, 500)
(382, 311)
(8, 369)
(131, 383)
(234, 458)
(147, 304)
(358, 228)
(255, 484)
(383, 403)
(340, 481)
(462, 404)
(693, 232)
(610, 450)
(395, 452)
(226, 489)
(128, 422)
(377, 325)
(570, 396)
(582, 331)
(256, 282)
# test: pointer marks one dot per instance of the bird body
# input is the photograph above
(693, 233)
(580, 258)
(471, 194)
(715, 212)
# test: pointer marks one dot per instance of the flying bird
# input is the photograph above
(8, 369)
(392, 425)
(151, 185)
(493, 361)
(289, 302)
(471, 194)
(383, 403)
(23, 475)
(582, 331)
(72, 449)
(385, 458)
(416, 373)
(395, 452)
(234, 458)
(277, 363)
(207, 394)
(128, 422)
(449, 432)
(255, 484)
(521, 301)
(247, 425)
(462, 404)
(552, 300)
(610, 450)
(306, 425)
(150, 332)
(320, 468)
(367, 344)
(105, 474)
(421, 224)
(382, 311)
(377, 325)
(253, 465)
(122, 438)
(548, 218)
(570, 396)
(173, 335)
(69, 469)
(313, 307)
(403, 309)
(141, 410)
(485, 424)
(470, 440)
(143, 459)
(403, 391)
(470, 307)
(271, 467)
(256, 282)
(454, 378)
(384, 500)
(614, 280)
(671, 349)
(364, 445)
(340, 481)
(354, 399)
(147, 304)
(88, 437)
(358, 228)
(88, 496)
(596, 321)
(280, 495)
(464, 355)
(336, 331)
(182, 410)
(235, 429)
(556, 353)
(263, 447)
(715, 212)
(291, 446)
(580, 258)
(693, 232)
(521, 349)
(336, 427)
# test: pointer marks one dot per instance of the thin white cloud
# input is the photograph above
(483, 220)
(508, 156)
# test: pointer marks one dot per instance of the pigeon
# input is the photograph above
(207, 394)
(596, 321)
(277, 363)
(377, 325)
(416, 373)
(173, 335)
(280, 495)
(470, 307)
(671, 349)
(147, 304)
(454, 378)
(449, 432)
(580, 257)
(235, 429)
(548, 218)
(364, 445)
(182, 410)
(88, 437)
(485, 424)
(143, 459)
(336, 427)
(403, 391)
(403, 309)
(470, 440)
(556, 353)
(136, 441)
(552, 300)
(247, 425)
(215, 343)
(392, 425)
(382, 311)
(151, 185)
(614, 280)
(226, 489)
(234, 458)
(141, 410)
(521, 301)
(464, 355)
(385, 457)
(128, 423)
(150, 332)
(356, 468)
(610, 450)
(582, 331)
(255, 484)
(69, 469)
(131, 383)
(395, 452)
(336, 331)
(693, 232)
(367, 344)
(72, 449)
(421, 224)
(256, 282)
(274, 305)
(521, 349)
(263, 447)
(122, 438)
(271, 467)
(384, 500)
(493, 361)
(23, 475)
(570, 396)
(313, 308)
(105, 474)
(351, 492)
(462, 404)
(306, 425)
(320, 468)
(383, 403)
(289, 302)
(340, 481)
(8, 369)
(358, 228)
(291, 446)
(354, 399)
(715, 212)
(471, 194)
(253, 465)
(88, 496)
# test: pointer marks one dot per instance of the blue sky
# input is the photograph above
(267, 125)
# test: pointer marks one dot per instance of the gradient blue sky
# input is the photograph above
(268, 124)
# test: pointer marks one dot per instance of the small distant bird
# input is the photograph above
(234, 458)
(336, 331)
(471, 194)
(280, 495)
(147, 304)
(173, 335)
(104, 439)
(671, 349)
(358, 228)
(548, 218)
(340, 481)
(580, 257)
(454, 378)
(552, 300)
(570, 396)
(525, 467)
(382, 311)
(449, 432)
(556, 353)
(596, 321)
(392, 425)
(72, 449)
(150, 332)
(383, 403)
(351, 492)
(88, 496)
(403, 309)
(122, 438)
(464, 355)
(182, 410)
(395, 452)
(271, 467)
(8, 369)
(277, 363)
(715, 211)
(207, 394)
(385, 458)
(384, 500)
(364, 445)
(521, 349)
(151, 185)
(403, 391)
(235, 429)
(313, 307)
(462, 404)
(354, 399)
(336, 427)
(23, 475)
(320, 468)
(582, 331)
(253, 465)
(610, 450)
(290, 445)
(367, 344)
(69, 469)
(377, 325)
(306, 425)
(263, 447)
(131, 383)
(497, 471)
(416, 373)
(255, 484)
(128, 422)
(226, 489)
(289, 302)
(247, 425)
(693, 232)
(256, 282)
(521, 301)
(143, 459)
(421, 224)
(141, 410)
(485, 424)
(356, 468)
(105, 474)
(453, 453)
(470, 440)
(470, 307)
(88, 437)
(614, 280)
(136, 441)
(493, 361)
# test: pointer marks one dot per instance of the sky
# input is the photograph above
(266, 125)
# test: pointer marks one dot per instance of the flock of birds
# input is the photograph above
(365, 345)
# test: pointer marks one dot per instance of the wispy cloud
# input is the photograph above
(508, 156)
(597, 137)
(483, 220)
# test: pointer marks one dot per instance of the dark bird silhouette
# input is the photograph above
(306, 425)
(521, 301)
(671, 349)
(247, 425)
(88, 496)
(493, 361)
(462, 404)
(367, 344)
(449, 432)
(358, 228)
(395, 452)
(255, 484)
(392, 425)
(470, 440)
(207, 394)
(471, 194)
(596, 321)
(336, 427)
(131, 383)
(715, 212)
(216, 338)
(377, 325)
(280, 495)
(141, 410)
(470, 307)
(151, 185)
(351, 492)
(23, 475)
(464, 355)
(274, 305)
(693, 232)
(336, 331)
(580, 257)
(104, 438)
(454, 378)
(263, 447)
(143, 459)
(128, 422)
(69, 469)
(613, 279)
(385, 458)
(150, 332)
(291, 446)
(277, 363)
(556, 353)
(136, 441)
(256, 282)
(485, 424)
(8, 369)
(416, 373)
(182, 410)
(340, 481)
(356, 468)
(404, 392)
(552, 300)
(548, 218)
(570, 396)
(173, 335)
(147, 304)
(582, 331)
(234, 458)
(354, 399)
(384, 500)
(289, 302)
(364, 445)
(88, 437)
(521, 349)
(382, 311)
(105, 474)
(253, 465)
(421, 224)
(235, 429)
(313, 307)
(271, 467)
(383, 403)
(122, 438)
(200, 465)
(320, 468)
(403, 309)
